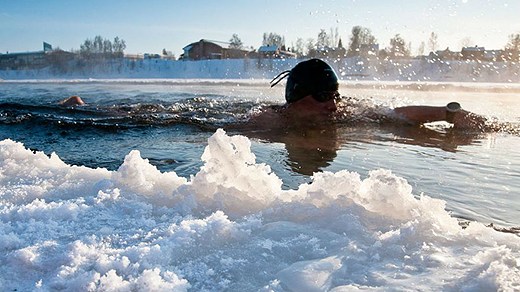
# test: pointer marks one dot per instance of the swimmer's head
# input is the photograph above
(72, 101)
(312, 77)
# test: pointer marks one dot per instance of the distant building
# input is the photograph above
(23, 60)
(274, 52)
(472, 53)
(205, 49)
(134, 57)
(481, 54)
(151, 56)
(34, 60)
(495, 55)
(58, 57)
(26, 60)
(445, 55)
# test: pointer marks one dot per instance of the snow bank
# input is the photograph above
(232, 227)
(354, 68)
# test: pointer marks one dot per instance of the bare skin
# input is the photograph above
(307, 111)
(310, 135)
(72, 101)
(425, 114)
(304, 112)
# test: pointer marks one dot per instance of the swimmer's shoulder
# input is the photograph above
(72, 101)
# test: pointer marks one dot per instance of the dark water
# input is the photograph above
(477, 173)
(164, 125)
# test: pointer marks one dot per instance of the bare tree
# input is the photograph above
(360, 36)
(235, 42)
(107, 47)
(119, 47)
(341, 50)
(102, 48)
(334, 37)
(433, 42)
(273, 39)
(398, 47)
(420, 50)
(323, 40)
(513, 47)
(311, 48)
(98, 44)
(298, 48)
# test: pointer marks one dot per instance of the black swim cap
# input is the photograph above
(309, 78)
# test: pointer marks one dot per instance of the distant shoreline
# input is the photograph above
(349, 70)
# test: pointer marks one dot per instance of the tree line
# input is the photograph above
(362, 39)
(102, 48)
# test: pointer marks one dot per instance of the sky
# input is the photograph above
(153, 25)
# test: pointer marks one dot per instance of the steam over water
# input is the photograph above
(142, 189)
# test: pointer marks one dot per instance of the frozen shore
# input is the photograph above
(414, 70)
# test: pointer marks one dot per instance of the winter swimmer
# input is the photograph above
(72, 101)
(307, 124)
(312, 96)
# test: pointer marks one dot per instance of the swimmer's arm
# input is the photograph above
(265, 119)
(426, 114)
(418, 114)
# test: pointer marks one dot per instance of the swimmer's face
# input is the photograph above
(311, 106)
(325, 96)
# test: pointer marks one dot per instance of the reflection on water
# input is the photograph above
(308, 149)
(313, 148)
(447, 139)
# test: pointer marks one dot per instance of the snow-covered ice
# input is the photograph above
(232, 227)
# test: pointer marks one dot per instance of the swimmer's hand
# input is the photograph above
(468, 120)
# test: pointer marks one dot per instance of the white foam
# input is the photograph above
(232, 227)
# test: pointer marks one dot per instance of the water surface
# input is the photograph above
(169, 122)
